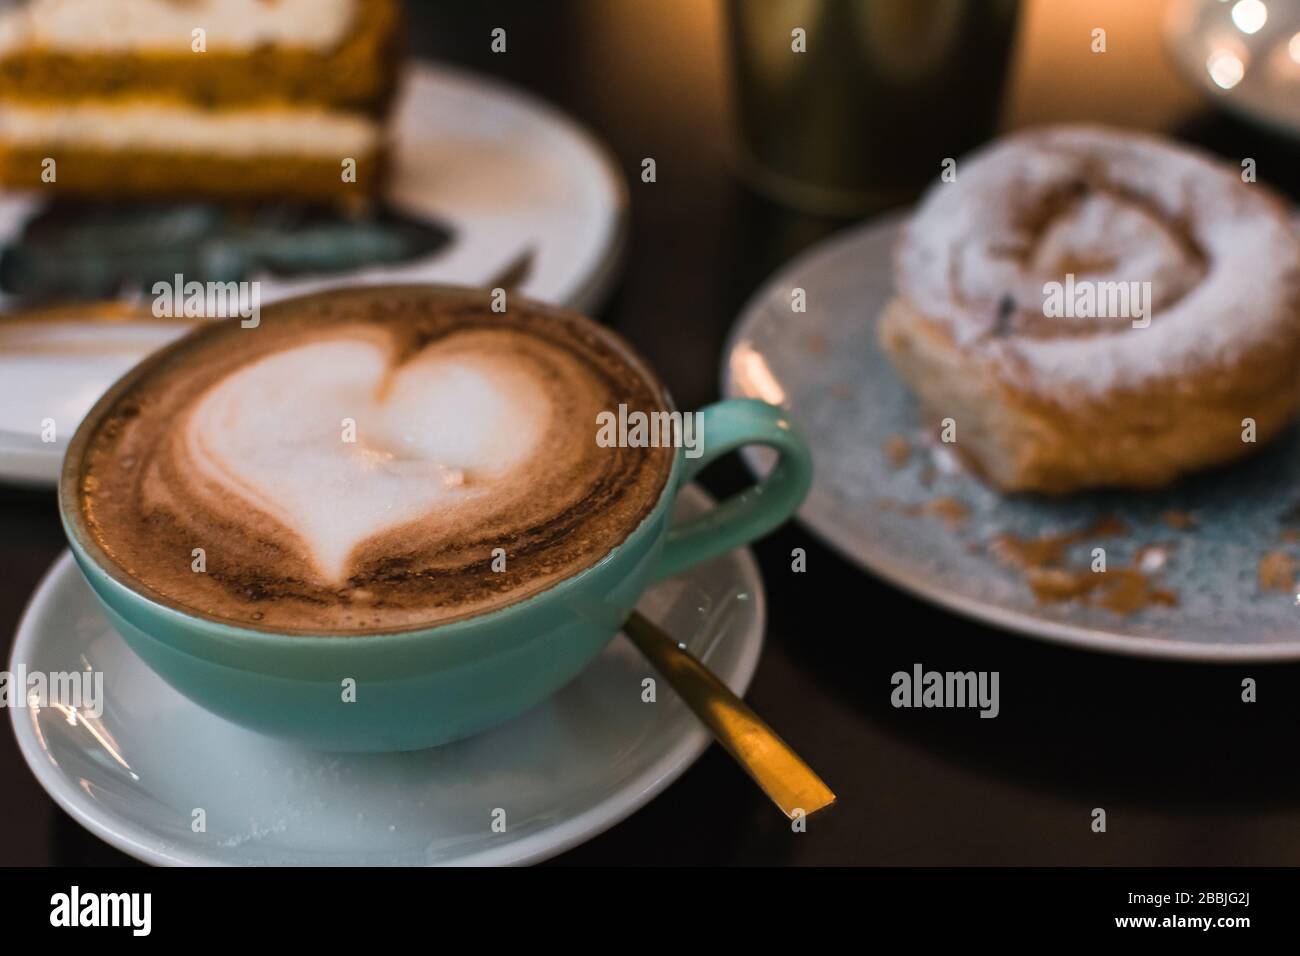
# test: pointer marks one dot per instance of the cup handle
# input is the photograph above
(752, 513)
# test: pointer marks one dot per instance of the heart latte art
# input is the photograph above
(370, 461)
(306, 430)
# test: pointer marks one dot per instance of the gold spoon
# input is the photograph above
(783, 776)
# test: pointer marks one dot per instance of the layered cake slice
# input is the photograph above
(227, 99)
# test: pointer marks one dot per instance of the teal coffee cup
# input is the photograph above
(420, 688)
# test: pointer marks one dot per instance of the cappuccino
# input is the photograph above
(369, 460)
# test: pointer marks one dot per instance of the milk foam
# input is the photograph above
(475, 435)
(436, 432)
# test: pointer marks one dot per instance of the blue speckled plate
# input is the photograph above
(888, 497)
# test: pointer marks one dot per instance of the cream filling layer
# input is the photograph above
(114, 26)
(181, 129)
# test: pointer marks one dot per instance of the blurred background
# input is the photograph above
(1189, 776)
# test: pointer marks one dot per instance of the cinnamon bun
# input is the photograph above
(1098, 308)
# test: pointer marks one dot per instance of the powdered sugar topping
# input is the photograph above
(1221, 259)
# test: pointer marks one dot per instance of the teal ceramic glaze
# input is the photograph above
(417, 689)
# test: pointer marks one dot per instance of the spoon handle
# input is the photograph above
(778, 770)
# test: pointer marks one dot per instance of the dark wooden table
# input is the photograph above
(1188, 774)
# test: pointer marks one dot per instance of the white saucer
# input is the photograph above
(1254, 74)
(507, 173)
(563, 772)
(826, 369)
